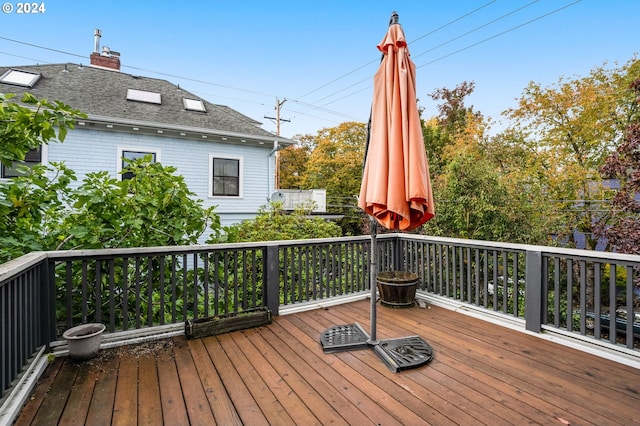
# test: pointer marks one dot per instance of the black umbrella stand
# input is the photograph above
(398, 354)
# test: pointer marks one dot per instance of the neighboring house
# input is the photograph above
(224, 156)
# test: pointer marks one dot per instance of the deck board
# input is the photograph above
(278, 374)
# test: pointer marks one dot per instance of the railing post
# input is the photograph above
(272, 279)
(47, 303)
(533, 290)
(397, 255)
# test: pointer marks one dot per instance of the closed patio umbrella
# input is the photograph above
(396, 188)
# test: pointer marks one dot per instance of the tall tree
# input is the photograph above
(572, 126)
(293, 164)
(336, 162)
(621, 225)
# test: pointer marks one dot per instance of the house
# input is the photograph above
(224, 156)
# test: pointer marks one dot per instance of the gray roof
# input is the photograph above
(102, 95)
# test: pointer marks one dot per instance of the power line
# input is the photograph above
(322, 108)
(499, 34)
(454, 52)
(378, 60)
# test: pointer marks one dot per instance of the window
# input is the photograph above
(126, 155)
(19, 78)
(194, 105)
(32, 158)
(226, 176)
(144, 96)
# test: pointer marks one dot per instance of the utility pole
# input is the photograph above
(278, 120)
(277, 117)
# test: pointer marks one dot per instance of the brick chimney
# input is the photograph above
(107, 59)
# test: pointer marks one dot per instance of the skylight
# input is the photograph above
(144, 96)
(194, 105)
(19, 78)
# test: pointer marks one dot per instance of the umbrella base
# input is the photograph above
(398, 354)
(344, 338)
(404, 353)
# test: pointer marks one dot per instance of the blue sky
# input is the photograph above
(321, 55)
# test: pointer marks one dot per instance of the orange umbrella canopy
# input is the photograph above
(396, 187)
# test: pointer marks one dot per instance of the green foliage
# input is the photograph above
(272, 223)
(32, 207)
(154, 208)
(23, 128)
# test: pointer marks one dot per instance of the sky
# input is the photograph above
(317, 58)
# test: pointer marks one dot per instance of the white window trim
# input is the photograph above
(122, 149)
(240, 177)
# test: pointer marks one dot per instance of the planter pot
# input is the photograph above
(397, 288)
(209, 326)
(84, 340)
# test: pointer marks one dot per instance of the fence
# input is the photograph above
(592, 295)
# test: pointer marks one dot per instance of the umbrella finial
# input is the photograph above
(394, 18)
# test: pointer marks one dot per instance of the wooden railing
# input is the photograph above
(590, 295)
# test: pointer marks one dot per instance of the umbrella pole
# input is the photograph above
(373, 276)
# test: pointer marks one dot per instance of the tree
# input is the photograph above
(572, 126)
(621, 224)
(32, 206)
(23, 128)
(336, 162)
(153, 208)
(336, 165)
(293, 165)
(272, 224)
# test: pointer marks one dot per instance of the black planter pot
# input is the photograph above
(397, 289)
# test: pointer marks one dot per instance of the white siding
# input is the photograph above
(87, 151)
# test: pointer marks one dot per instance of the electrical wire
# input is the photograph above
(321, 107)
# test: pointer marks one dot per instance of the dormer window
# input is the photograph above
(20, 78)
(144, 96)
(194, 105)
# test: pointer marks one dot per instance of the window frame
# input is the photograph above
(240, 159)
(137, 149)
(6, 78)
(43, 160)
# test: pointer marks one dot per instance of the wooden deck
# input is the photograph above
(481, 374)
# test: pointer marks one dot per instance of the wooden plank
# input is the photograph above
(101, 408)
(220, 402)
(481, 374)
(264, 397)
(495, 373)
(246, 406)
(298, 374)
(79, 401)
(39, 393)
(125, 405)
(174, 411)
(421, 401)
(51, 409)
(291, 402)
(308, 366)
(149, 405)
(479, 350)
(474, 389)
(567, 393)
(194, 397)
(370, 399)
